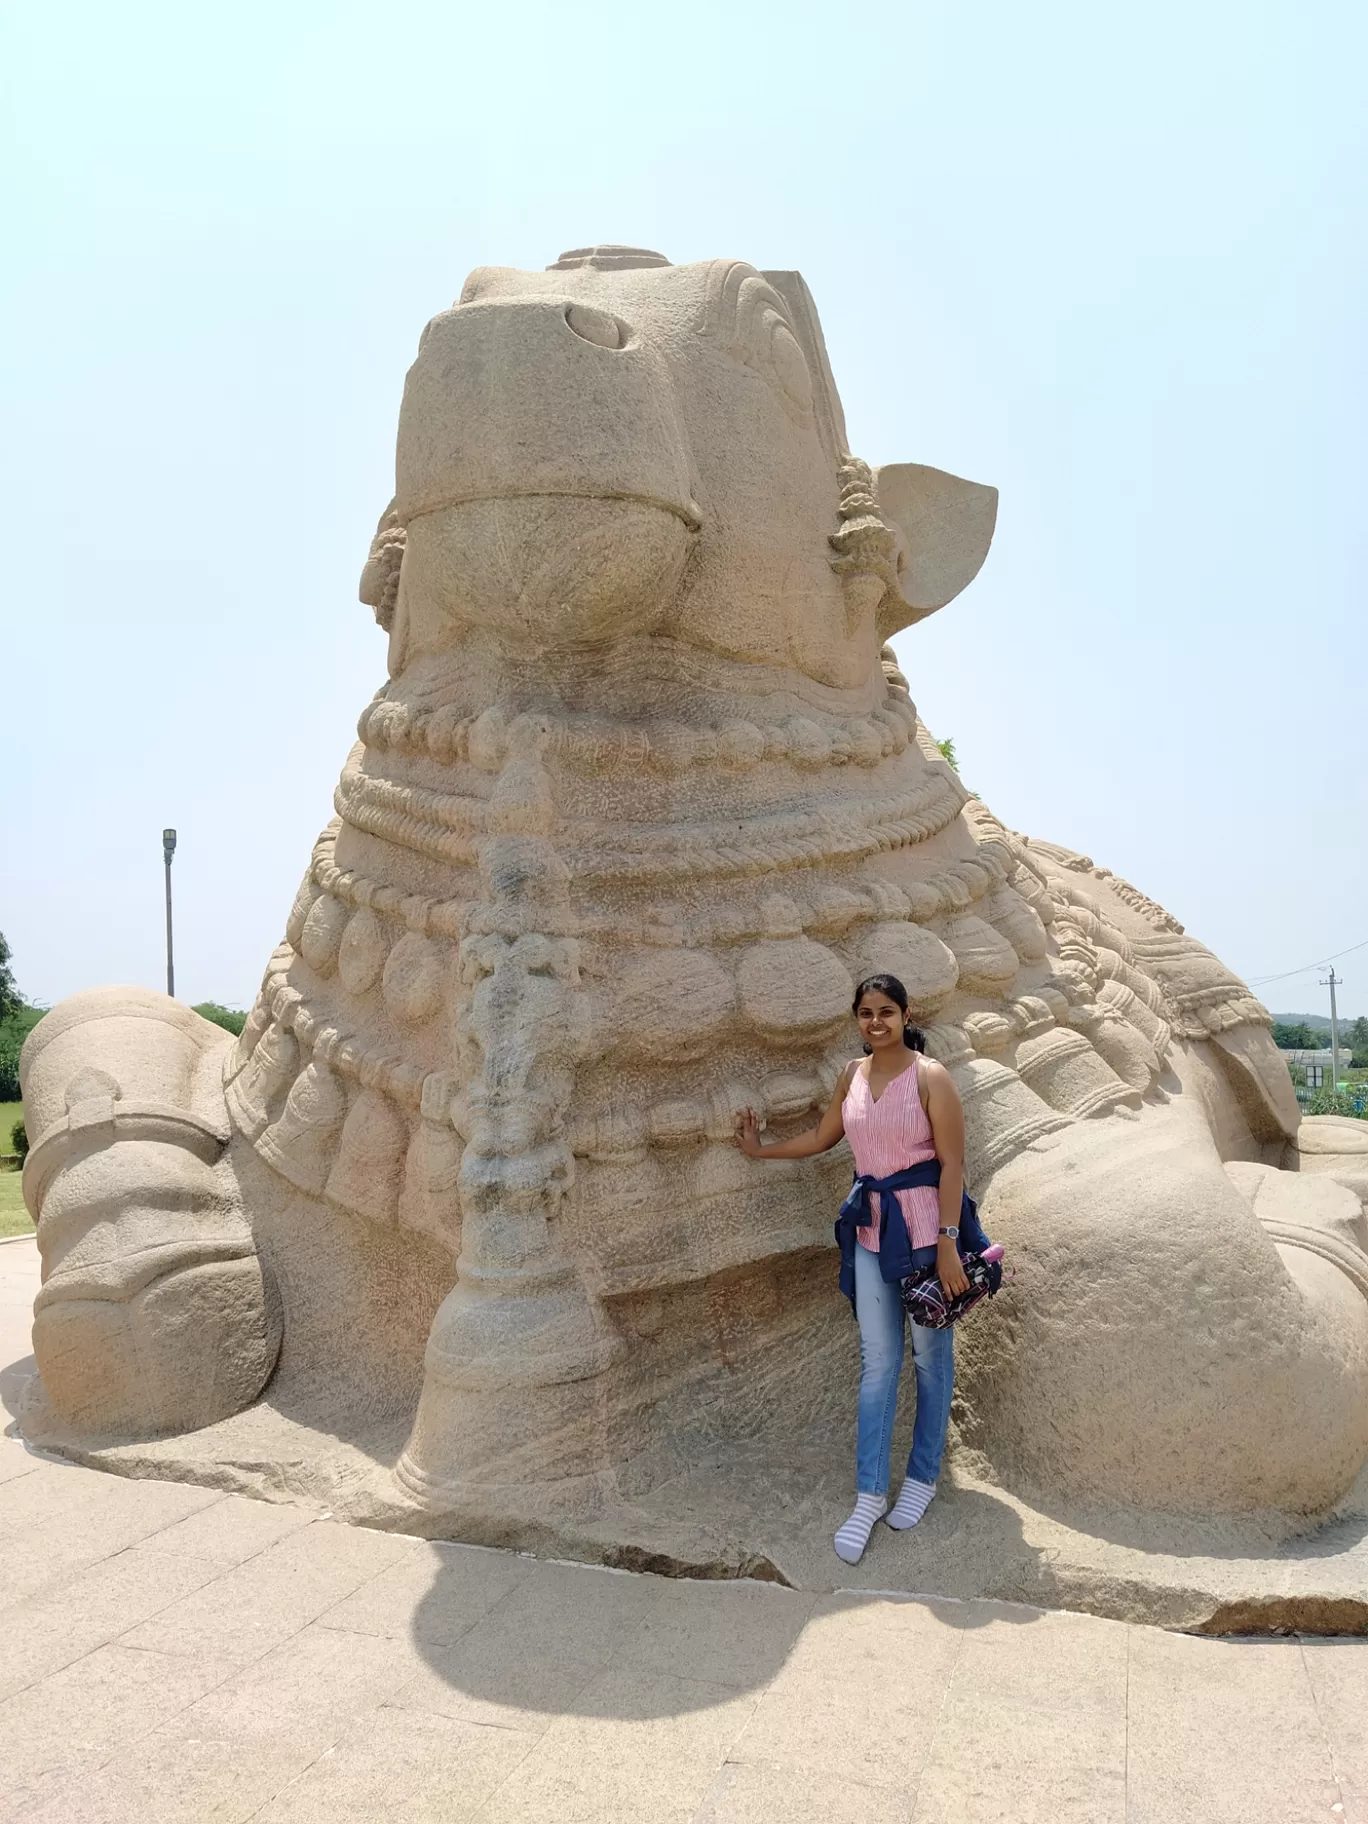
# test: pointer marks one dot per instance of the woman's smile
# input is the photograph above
(881, 1023)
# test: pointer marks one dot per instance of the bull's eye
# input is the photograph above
(595, 326)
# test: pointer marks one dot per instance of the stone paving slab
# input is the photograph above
(170, 1653)
(1241, 1719)
(1056, 1683)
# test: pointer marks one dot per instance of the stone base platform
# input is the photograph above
(767, 1509)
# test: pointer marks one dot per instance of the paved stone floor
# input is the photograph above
(167, 1652)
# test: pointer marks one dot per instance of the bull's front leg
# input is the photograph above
(155, 1313)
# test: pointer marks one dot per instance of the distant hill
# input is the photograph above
(1319, 1024)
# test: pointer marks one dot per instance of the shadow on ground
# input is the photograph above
(565, 1639)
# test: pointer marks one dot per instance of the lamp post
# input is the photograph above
(168, 850)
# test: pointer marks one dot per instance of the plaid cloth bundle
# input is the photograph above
(924, 1298)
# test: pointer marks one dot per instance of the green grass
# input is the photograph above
(14, 1218)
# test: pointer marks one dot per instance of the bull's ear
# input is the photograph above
(944, 525)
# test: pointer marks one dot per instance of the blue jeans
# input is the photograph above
(881, 1317)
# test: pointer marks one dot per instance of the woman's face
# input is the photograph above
(881, 1021)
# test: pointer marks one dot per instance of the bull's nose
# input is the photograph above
(550, 396)
(597, 326)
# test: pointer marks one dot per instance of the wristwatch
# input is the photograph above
(952, 1233)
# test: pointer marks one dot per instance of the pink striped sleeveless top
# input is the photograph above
(887, 1135)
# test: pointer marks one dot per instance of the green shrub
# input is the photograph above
(13, 1031)
(1333, 1102)
(10, 998)
(19, 1141)
(229, 1018)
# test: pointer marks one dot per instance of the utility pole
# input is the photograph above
(1332, 982)
(168, 850)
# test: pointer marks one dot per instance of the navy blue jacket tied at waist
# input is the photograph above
(897, 1257)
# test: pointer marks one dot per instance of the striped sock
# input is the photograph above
(854, 1535)
(913, 1500)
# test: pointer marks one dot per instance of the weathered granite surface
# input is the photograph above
(644, 794)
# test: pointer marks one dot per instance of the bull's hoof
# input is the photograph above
(155, 1313)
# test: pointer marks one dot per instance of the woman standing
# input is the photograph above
(901, 1113)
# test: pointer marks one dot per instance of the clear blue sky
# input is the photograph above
(1112, 259)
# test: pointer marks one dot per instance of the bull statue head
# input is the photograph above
(618, 446)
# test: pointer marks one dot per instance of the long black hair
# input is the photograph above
(913, 1037)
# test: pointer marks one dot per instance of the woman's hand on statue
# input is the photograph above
(748, 1133)
(948, 1269)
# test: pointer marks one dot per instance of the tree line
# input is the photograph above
(1301, 1037)
(18, 1019)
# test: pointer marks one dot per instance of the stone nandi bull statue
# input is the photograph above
(643, 795)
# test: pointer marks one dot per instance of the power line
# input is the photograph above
(1261, 981)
